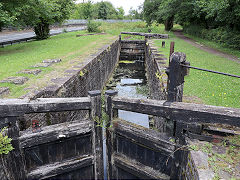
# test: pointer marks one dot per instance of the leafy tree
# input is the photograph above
(9, 12)
(120, 13)
(83, 11)
(222, 12)
(40, 14)
(105, 10)
(206, 13)
(135, 14)
(150, 10)
(162, 11)
(102, 10)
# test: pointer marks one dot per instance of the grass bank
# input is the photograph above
(25, 55)
(210, 88)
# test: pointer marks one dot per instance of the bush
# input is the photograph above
(221, 35)
(93, 26)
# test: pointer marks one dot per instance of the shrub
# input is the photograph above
(93, 26)
(5, 143)
(221, 35)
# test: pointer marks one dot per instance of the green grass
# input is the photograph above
(211, 88)
(65, 46)
(117, 28)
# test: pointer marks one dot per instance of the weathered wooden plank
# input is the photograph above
(147, 137)
(16, 107)
(128, 47)
(133, 42)
(97, 136)
(148, 35)
(132, 46)
(138, 169)
(54, 132)
(14, 161)
(186, 112)
(52, 170)
(133, 51)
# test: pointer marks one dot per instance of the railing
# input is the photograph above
(211, 71)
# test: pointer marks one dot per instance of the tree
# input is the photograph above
(9, 12)
(84, 11)
(150, 10)
(40, 14)
(106, 10)
(208, 14)
(135, 14)
(120, 13)
(102, 10)
(162, 11)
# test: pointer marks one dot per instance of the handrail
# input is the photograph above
(211, 71)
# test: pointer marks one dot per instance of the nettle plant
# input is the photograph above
(5, 143)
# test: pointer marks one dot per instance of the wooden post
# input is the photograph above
(171, 50)
(109, 108)
(176, 74)
(13, 162)
(120, 38)
(97, 140)
(163, 44)
(109, 134)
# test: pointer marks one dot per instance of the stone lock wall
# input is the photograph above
(155, 67)
(92, 74)
(155, 64)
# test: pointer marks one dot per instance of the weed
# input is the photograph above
(142, 89)
(5, 143)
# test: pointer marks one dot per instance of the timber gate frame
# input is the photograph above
(71, 150)
(139, 153)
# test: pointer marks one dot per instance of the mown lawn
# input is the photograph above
(210, 88)
(65, 46)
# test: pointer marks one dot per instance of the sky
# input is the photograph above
(126, 4)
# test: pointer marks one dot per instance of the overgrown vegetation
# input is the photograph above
(5, 143)
(142, 89)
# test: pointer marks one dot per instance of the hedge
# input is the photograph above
(221, 35)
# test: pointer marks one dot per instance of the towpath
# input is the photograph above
(180, 35)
